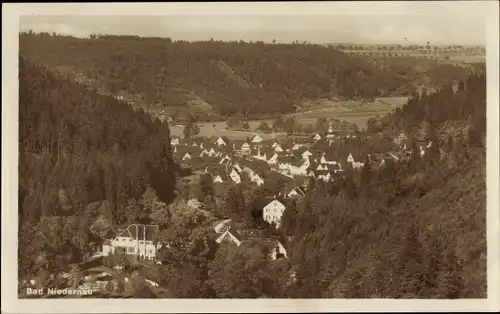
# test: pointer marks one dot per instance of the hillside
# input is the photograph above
(411, 229)
(233, 78)
(88, 165)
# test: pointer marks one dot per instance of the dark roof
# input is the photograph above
(140, 231)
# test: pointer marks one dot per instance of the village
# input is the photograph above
(250, 163)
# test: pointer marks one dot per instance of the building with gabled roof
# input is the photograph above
(137, 239)
(229, 236)
(296, 192)
(273, 212)
(256, 139)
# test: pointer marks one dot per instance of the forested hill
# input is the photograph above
(224, 78)
(85, 162)
(456, 110)
(415, 228)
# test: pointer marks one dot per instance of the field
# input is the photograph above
(351, 111)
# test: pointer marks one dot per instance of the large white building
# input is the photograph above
(135, 240)
(273, 212)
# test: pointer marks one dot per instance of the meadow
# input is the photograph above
(352, 111)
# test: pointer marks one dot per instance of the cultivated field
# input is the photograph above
(357, 112)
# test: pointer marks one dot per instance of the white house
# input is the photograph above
(174, 141)
(228, 236)
(222, 226)
(259, 155)
(256, 139)
(325, 177)
(237, 167)
(225, 160)
(324, 161)
(299, 170)
(136, 240)
(317, 137)
(256, 179)
(273, 212)
(218, 179)
(245, 149)
(399, 140)
(220, 142)
(298, 191)
(321, 167)
(235, 176)
(273, 160)
(306, 154)
(358, 164)
(350, 159)
(297, 146)
(186, 156)
(275, 144)
(278, 251)
(278, 149)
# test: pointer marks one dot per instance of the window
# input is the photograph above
(268, 217)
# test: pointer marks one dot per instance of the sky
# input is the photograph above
(442, 26)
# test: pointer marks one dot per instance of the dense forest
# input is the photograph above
(90, 163)
(411, 229)
(85, 163)
(226, 78)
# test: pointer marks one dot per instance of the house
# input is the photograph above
(245, 149)
(256, 139)
(254, 177)
(297, 146)
(222, 141)
(299, 167)
(278, 251)
(321, 167)
(174, 141)
(186, 156)
(275, 144)
(297, 191)
(306, 154)
(358, 164)
(273, 160)
(324, 175)
(218, 179)
(400, 139)
(273, 212)
(237, 167)
(225, 160)
(330, 135)
(222, 226)
(235, 176)
(263, 153)
(278, 149)
(326, 159)
(228, 236)
(350, 158)
(317, 137)
(137, 239)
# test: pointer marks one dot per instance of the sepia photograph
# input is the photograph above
(279, 151)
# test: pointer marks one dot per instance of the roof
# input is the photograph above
(231, 234)
(136, 231)
(286, 159)
(221, 224)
